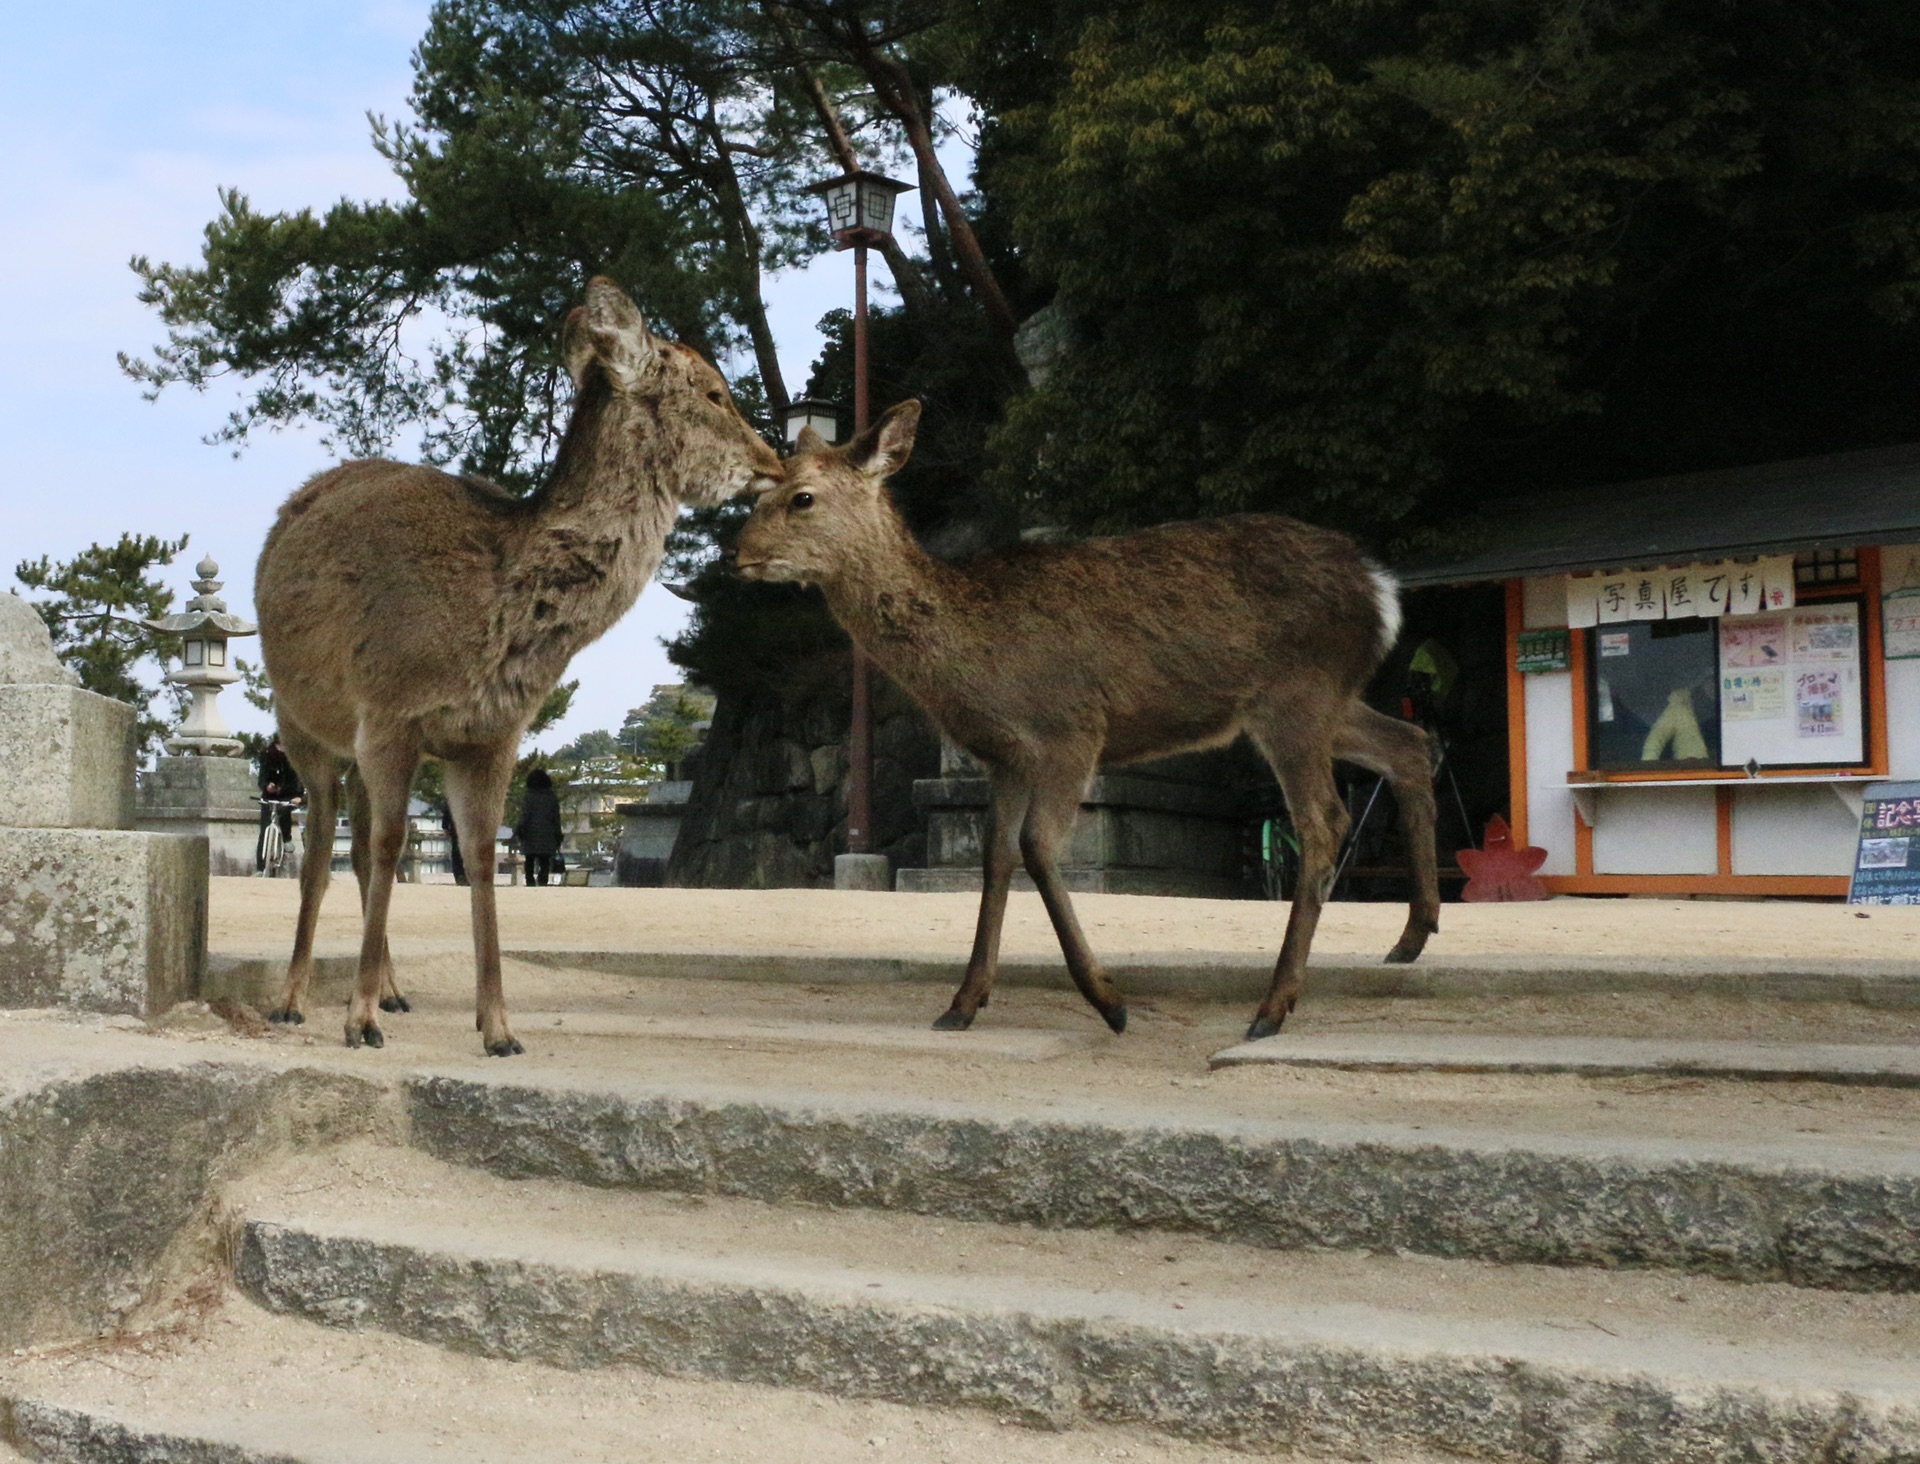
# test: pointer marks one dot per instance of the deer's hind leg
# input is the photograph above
(477, 797)
(1402, 753)
(320, 773)
(1000, 844)
(360, 820)
(1049, 825)
(387, 762)
(1302, 758)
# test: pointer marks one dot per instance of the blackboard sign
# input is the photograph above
(1886, 862)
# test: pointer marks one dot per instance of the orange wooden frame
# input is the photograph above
(1725, 882)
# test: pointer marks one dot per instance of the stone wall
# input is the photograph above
(769, 806)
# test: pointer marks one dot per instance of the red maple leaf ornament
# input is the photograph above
(1500, 871)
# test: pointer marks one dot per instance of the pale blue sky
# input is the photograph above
(121, 121)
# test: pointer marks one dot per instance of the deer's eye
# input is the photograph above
(717, 397)
(801, 500)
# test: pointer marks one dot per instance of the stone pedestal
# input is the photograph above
(647, 834)
(862, 872)
(1137, 835)
(93, 914)
(100, 919)
(212, 798)
(66, 758)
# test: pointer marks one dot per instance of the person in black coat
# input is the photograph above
(281, 784)
(539, 830)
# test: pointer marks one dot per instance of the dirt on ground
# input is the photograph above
(254, 915)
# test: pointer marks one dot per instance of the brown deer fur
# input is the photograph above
(1046, 661)
(407, 613)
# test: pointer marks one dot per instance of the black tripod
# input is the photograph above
(1417, 707)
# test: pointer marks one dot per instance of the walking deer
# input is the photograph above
(408, 613)
(1048, 660)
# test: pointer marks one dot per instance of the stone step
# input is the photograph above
(1765, 1207)
(250, 1387)
(1352, 1355)
(259, 976)
(1875, 1065)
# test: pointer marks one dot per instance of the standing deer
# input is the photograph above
(1046, 661)
(408, 613)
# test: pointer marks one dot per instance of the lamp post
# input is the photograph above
(203, 629)
(859, 213)
(803, 412)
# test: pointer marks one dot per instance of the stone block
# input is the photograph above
(66, 758)
(26, 649)
(98, 920)
(862, 872)
(213, 798)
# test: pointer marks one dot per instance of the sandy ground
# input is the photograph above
(255, 915)
(728, 1034)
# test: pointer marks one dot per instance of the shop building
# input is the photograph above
(1705, 672)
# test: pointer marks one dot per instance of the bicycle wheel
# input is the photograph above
(273, 850)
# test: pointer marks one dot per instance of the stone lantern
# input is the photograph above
(205, 667)
(205, 789)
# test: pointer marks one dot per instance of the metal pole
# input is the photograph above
(860, 743)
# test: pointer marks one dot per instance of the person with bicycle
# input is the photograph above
(280, 790)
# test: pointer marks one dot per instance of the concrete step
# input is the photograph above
(1809, 1210)
(259, 976)
(1867, 1065)
(251, 1387)
(1345, 1354)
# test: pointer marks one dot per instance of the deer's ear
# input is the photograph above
(883, 449)
(610, 330)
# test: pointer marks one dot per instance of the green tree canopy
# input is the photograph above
(1364, 259)
(96, 606)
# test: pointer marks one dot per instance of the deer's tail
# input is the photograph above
(1386, 599)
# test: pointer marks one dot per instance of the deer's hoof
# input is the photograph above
(1264, 1027)
(365, 1034)
(395, 1003)
(953, 1020)
(505, 1047)
(285, 1016)
(1116, 1017)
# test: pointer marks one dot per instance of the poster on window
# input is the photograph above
(1790, 688)
(1753, 641)
(1825, 635)
(1816, 703)
(1753, 696)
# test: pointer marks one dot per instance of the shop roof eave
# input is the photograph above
(1843, 500)
(1498, 571)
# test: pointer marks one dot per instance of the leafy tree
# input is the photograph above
(1360, 260)
(588, 745)
(666, 727)
(99, 602)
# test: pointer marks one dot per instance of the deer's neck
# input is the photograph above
(599, 523)
(898, 602)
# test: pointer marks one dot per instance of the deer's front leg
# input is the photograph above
(1000, 850)
(1056, 805)
(1321, 821)
(477, 797)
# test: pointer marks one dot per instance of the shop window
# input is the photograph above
(1654, 699)
(1780, 690)
(1827, 567)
